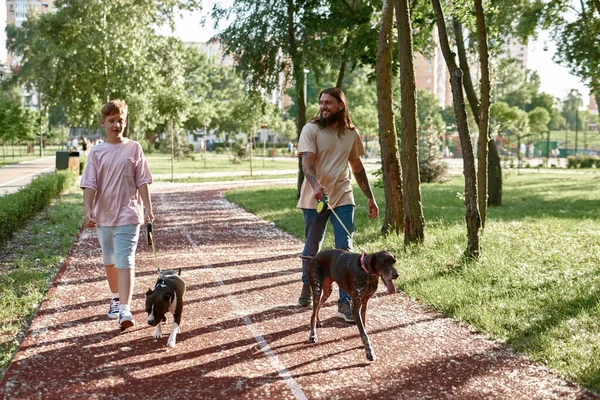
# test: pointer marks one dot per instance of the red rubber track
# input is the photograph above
(242, 334)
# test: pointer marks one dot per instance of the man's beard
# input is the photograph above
(330, 119)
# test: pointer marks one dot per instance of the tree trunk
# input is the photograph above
(390, 161)
(494, 175)
(413, 210)
(298, 72)
(484, 114)
(472, 217)
(342, 71)
(494, 167)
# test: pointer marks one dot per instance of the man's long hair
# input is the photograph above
(343, 116)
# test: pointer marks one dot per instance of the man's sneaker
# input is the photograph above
(345, 312)
(305, 296)
(125, 320)
(113, 308)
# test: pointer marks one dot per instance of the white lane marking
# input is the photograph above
(271, 356)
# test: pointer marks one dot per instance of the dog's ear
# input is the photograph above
(149, 292)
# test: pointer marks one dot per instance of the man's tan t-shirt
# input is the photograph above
(331, 161)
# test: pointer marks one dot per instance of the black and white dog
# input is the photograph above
(166, 296)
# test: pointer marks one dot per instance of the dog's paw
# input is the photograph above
(157, 332)
(171, 342)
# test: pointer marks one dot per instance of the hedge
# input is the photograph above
(583, 161)
(17, 208)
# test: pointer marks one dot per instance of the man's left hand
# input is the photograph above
(373, 209)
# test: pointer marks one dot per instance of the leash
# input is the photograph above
(320, 207)
(150, 241)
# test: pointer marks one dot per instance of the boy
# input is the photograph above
(115, 182)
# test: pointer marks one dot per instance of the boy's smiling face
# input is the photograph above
(114, 125)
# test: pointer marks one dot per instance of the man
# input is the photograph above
(327, 144)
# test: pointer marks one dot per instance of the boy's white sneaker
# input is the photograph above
(125, 320)
(113, 308)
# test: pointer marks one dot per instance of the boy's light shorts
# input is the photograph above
(118, 245)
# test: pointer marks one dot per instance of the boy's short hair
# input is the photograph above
(113, 107)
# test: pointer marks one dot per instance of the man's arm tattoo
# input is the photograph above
(311, 174)
(363, 183)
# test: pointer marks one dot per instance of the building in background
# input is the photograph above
(518, 51)
(16, 13)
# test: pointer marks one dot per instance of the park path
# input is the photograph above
(242, 334)
(15, 176)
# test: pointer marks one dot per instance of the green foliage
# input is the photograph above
(16, 121)
(570, 109)
(538, 120)
(87, 52)
(583, 161)
(17, 208)
(30, 264)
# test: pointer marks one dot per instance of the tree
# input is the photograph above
(413, 211)
(484, 113)
(88, 52)
(538, 120)
(390, 163)
(472, 216)
(494, 178)
(267, 38)
(577, 41)
(570, 109)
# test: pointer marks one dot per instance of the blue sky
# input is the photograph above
(555, 79)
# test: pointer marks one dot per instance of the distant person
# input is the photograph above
(84, 145)
(531, 150)
(115, 183)
(74, 144)
(290, 147)
(330, 147)
(522, 149)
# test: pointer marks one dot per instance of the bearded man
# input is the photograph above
(330, 147)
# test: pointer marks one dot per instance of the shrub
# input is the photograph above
(583, 161)
(17, 208)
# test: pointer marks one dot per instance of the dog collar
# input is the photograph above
(362, 264)
(160, 284)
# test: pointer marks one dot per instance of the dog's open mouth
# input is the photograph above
(389, 285)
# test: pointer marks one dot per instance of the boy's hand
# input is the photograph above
(148, 216)
(89, 221)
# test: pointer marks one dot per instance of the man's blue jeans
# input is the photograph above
(314, 231)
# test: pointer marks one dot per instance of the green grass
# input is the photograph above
(216, 163)
(27, 270)
(536, 286)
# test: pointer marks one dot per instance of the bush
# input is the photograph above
(17, 208)
(583, 161)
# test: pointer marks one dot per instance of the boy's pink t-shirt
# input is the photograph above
(115, 172)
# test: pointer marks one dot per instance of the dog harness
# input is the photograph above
(362, 264)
